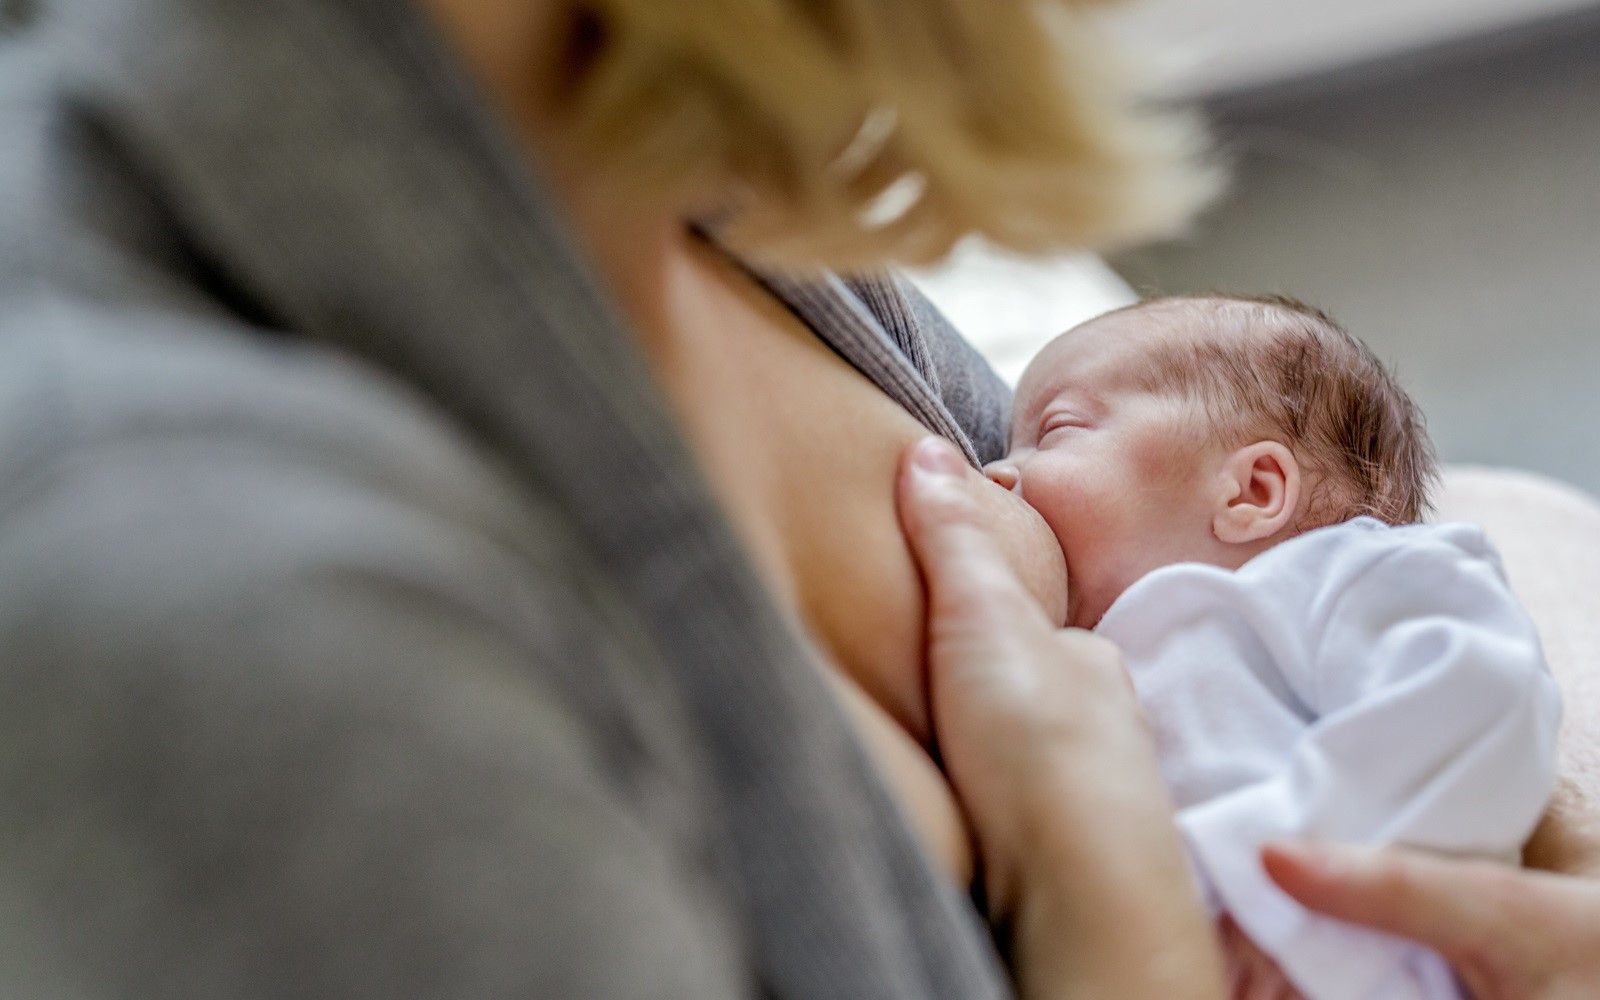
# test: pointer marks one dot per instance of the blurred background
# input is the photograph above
(1426, 170)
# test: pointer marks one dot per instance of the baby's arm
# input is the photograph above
(1435, 727)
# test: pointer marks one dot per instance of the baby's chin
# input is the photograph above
(1077, 611)
(1078, 617)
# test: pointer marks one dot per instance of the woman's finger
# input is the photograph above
(1508, 932)
(1457, 908)
(967, 577)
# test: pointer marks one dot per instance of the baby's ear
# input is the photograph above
(1260, 493)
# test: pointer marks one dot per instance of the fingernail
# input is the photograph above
(936, 456)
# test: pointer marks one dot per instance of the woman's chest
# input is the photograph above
(800, 450)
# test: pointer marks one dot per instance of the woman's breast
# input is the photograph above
(802, 450)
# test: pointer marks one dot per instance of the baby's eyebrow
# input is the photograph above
(1025, 407)
(1034, 405)
(1077, 396)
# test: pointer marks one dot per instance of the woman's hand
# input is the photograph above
(1042, 739)
(1511, 934)
(1013, 696)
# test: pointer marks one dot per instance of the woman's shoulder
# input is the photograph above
(187, 490)
(94, 385)
(195, 470)
(267, 614)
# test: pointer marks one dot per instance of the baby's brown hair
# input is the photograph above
(1279, 367)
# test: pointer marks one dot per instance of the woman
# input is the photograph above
(404, 600)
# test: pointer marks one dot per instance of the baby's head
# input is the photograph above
(1207, 429)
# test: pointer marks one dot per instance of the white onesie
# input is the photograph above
(1359, 683)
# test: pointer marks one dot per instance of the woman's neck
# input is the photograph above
(510, 47)
(507, 44)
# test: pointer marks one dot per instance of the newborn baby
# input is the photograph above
(1235, 484)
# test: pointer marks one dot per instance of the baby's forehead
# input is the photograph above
(1125, 344)
(1163, 324)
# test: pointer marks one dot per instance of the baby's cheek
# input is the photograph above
(1165, 459)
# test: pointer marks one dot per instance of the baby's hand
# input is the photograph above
(1252, 973)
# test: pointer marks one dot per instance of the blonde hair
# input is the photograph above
(858, 132)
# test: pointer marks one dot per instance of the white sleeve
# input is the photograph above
(1435, 727)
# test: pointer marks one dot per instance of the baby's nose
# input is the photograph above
(1004, 473)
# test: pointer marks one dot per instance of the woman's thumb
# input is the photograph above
(965, 573)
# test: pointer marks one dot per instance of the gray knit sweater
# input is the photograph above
(365, 630)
